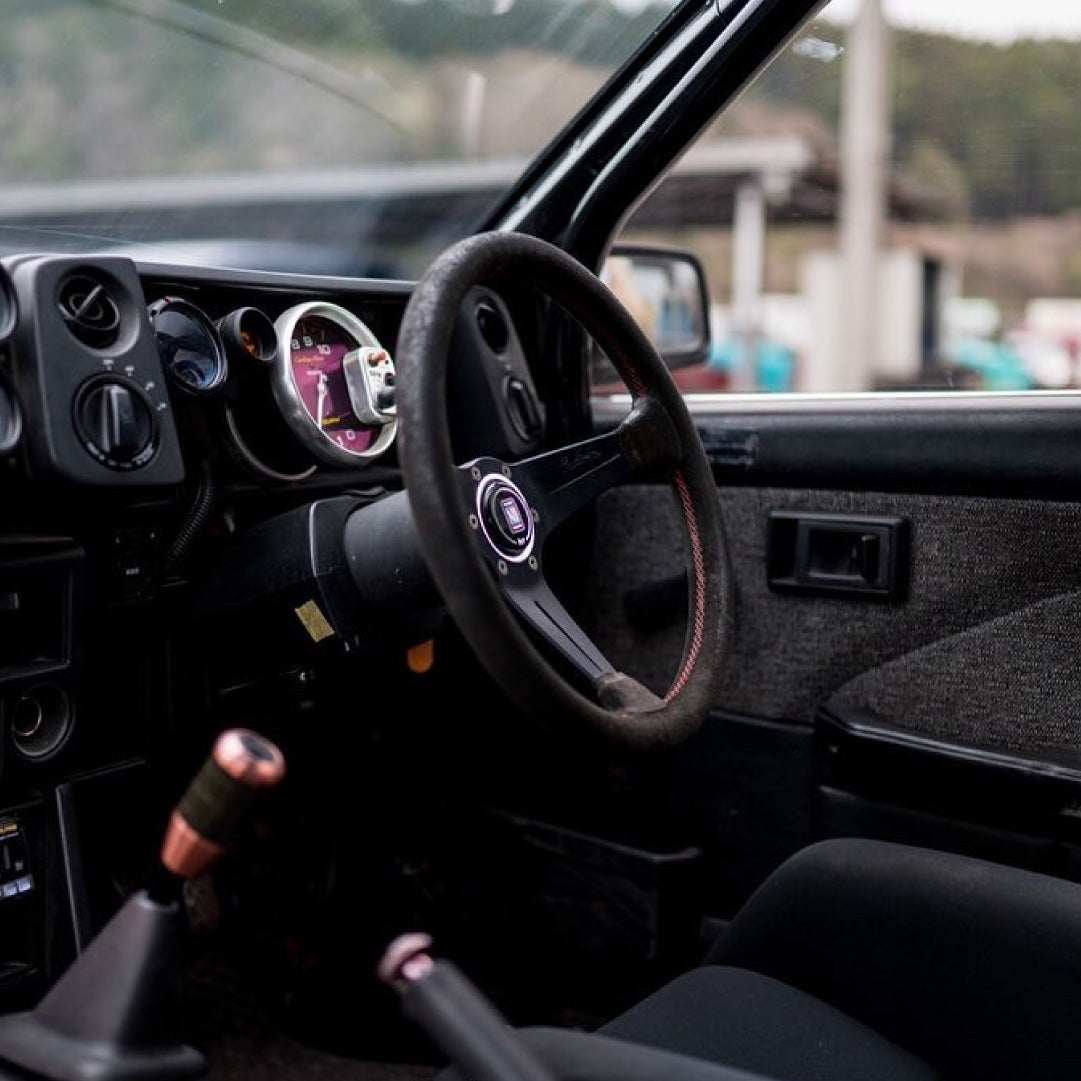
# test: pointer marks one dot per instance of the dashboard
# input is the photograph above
(121, 378)
(180, 448)
(149, 417)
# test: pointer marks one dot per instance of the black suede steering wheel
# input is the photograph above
(482, 524)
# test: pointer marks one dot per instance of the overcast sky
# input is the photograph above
(995, 19)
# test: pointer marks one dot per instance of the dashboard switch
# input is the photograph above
(116, 423)
(369, 377)
(522, 409)
(15, 878)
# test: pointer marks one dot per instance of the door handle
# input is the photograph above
(837, 554)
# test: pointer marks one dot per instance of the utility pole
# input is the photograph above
(748, 258)
(865, 148)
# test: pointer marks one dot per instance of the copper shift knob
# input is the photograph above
(205, 822)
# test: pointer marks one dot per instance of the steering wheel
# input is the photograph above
(482, 525)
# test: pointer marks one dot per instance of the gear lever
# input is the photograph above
(113, 1016)
(209, 814)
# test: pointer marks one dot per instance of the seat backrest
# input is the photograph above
(973, 966)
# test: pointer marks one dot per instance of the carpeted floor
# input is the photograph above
(273, 1057)
(230, 1021)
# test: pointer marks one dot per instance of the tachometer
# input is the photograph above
(334, 383)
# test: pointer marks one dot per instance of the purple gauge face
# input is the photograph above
(316, 351)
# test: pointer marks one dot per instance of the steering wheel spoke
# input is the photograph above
(529, 594)
(563, 481)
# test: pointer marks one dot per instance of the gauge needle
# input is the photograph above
(321, 400)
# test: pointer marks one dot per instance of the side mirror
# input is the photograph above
(665, 290)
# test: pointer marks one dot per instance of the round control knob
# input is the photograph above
(115, 421)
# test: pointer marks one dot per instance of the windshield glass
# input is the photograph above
(336, 136)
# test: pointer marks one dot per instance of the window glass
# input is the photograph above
(895, 204)
(334, 136)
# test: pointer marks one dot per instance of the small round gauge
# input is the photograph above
(334, 383)
(249, 335)
(189, 344)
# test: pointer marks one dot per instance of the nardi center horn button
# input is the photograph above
(506, 518)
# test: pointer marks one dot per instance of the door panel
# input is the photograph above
(946, 717)
(994, 444)
(1010, 682)
(970, 621)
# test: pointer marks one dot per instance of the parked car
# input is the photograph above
(707, 737)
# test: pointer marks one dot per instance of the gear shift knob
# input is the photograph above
(114, 1014)
(206, 820)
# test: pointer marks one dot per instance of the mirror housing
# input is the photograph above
(665, 290)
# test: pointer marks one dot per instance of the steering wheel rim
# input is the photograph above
(473, 571)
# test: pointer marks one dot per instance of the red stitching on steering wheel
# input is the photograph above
(699, 562)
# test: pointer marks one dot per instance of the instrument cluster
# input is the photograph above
(287, 375)
(117, 374)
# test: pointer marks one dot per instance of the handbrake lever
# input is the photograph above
(113, 1015)
(462, 1022)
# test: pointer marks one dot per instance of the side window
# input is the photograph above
(893, 205)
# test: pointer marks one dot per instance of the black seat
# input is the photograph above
(865, 960)
(724, 1014)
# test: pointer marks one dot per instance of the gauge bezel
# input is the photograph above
(287, 394)
(9, 306)
(231, 327)
(241, 450)
(9, 439)
(194, 312)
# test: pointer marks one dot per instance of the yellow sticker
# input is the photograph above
(315, 623)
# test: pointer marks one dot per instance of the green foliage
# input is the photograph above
(114, 88)
(995, 127)
(1006, 114)
(998, 125)
(931, 164)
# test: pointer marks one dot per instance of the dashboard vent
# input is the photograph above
(89, 309)
(492, 326)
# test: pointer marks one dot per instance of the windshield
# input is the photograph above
(337, 136)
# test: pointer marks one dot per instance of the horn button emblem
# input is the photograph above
(506, 518)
